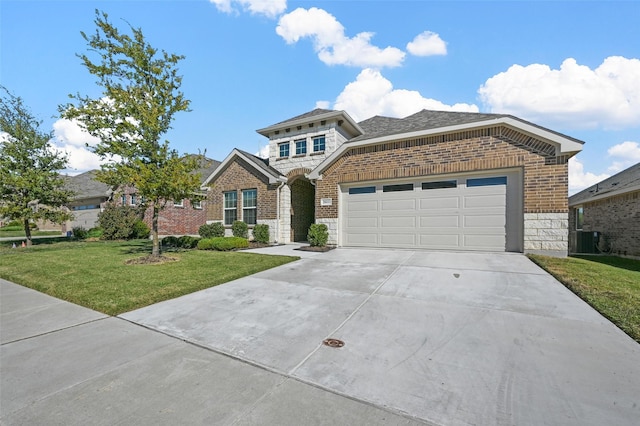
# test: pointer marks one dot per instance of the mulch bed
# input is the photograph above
(315, 248)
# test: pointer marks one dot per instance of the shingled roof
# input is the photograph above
(625, 181)
(85, 185)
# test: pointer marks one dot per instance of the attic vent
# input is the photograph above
(323, 122)
(287, 130)
(299, 127)
(340, 122)
(310, 125)
(277, 132)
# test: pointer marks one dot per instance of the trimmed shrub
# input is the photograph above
(318, 235)
(140, 230)
(187, 242)
(170, 241)
(261, 233)
(119, 222)
(95, 232)
(211, 230)
(222, 243)
(79, 232)
(240, 229)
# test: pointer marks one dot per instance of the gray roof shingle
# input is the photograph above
(620, 182)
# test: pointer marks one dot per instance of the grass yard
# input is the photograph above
(94, 274)
(21, 234)
(610, 284)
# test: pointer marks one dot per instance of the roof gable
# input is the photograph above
(317, 115)
(259, 164)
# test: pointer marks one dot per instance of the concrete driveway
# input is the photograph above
(442, 337)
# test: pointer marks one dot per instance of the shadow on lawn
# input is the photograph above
(618, 262)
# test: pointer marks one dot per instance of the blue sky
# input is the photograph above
(571, 66)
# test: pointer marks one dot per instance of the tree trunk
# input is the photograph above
(27, 232)
(154, 231)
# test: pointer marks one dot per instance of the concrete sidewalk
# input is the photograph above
(61, 364)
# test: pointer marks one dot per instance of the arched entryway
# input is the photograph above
(303, 195)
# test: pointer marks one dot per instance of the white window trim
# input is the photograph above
(255, 208)
(225, 208)
(180, 204)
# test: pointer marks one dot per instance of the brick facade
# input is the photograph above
(617, 218)
(545, 176)
(237, 176)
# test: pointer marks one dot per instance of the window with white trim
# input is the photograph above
(124, 199)
(230, 207)
(196, 204)
(301, 147)
(133, 199)
(579, 218)
(318, 144)
(178, 203)
(249, 206)
(283, 150)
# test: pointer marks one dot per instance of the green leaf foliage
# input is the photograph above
(318, 235)
(211, 230)
(222, 243)
(121, 223)
(261, 233)
(31, 187)
(141, 94)
(240, 229)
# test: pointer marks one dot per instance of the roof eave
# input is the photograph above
(605, 195)
(562, 144)
(320, 117)
(236, 153)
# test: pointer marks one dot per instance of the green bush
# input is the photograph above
(222, 243)
(79, 232)
(211, 230)
(318, 235)
(240, 229)
(119, 222)
(95, 232)
(170, 241)
(188, 242)
(261, 233)
(140, 230)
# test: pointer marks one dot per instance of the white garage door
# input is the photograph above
(455, 214)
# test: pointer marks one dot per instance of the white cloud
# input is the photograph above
(330, 42)
(625, 154)
(323, 104)
(372, 94)
(269, 8)
(427, 44)
(579, 179)
(573, 96)
(264, 152)
(73, 140)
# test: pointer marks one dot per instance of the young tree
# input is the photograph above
(31, 187)
(140, 97)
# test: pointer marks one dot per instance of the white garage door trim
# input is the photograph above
(480, 212)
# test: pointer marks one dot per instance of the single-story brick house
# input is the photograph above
(88, 201)
(179, 217)
(432, 180)
(611, 209)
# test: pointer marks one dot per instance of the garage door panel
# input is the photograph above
(402, 205)
(362, 222)
(484, 201)
(394, 239)
(436, 203)
(439, 221)
(398, 222)
(362, 206)
(484, 221)
(483, 242)
(366, 239)
(443, 240)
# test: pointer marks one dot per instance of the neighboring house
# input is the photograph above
(433, 180)
(88, 200)
(611, 210)
(179, 217)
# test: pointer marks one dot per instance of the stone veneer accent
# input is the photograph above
(332, 227)
(546, 233)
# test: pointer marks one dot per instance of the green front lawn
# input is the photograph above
(610, 284)
(94, 274)
(20, 234)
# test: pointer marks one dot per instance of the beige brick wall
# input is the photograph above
(545, 176)
(617, 218)
(238, 176)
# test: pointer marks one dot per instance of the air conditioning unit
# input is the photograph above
(587, 242)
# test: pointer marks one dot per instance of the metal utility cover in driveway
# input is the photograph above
(450, 338)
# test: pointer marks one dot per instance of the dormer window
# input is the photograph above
(301, 147)
(283, 150)
(318, 144)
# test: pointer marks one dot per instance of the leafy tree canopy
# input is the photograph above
(31, 187)
(141, 94)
